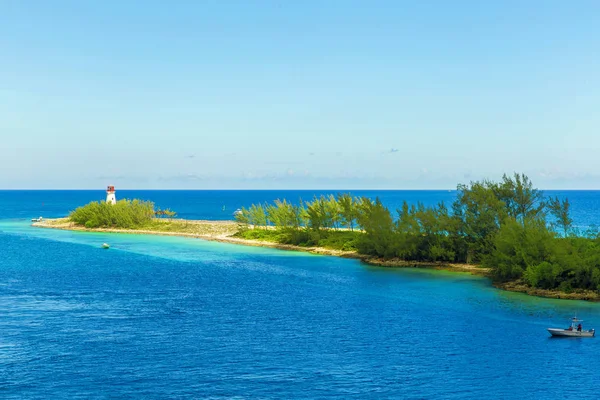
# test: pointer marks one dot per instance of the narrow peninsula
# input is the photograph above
(507, 230)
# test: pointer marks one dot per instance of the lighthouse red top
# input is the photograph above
(110, 189)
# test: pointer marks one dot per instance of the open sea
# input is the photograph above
(178, 318)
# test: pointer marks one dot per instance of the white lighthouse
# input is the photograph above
(110, 195)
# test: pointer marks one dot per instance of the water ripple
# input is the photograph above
(80, 323)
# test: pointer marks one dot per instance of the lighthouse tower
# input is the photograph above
(110, 195)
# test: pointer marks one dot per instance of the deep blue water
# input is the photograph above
(163, 317)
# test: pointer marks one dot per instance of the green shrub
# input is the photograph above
(124, 214)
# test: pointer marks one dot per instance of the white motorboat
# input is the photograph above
(574, 330)
(105, 246)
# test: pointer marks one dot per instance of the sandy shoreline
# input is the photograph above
(222, 231)
(210, 230)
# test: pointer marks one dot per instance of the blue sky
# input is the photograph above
(298, 94)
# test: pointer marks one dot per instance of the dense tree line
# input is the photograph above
(508, 226)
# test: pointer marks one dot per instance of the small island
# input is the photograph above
(507, 230)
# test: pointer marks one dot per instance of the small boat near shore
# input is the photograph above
(574, 330)
(105, 246)
(39, 219)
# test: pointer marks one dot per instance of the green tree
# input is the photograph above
(560, 210)
(242, 218)
(257, 216)
(316, 215)
(482, 212)
(517, 247)
(348, 210)
(378, 225)
(522, 200)
(363, 208)
(408, 233)
(333, 211)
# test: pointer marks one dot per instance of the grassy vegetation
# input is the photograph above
(334, 240)
(198, 228)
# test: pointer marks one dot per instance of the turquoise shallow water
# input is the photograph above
(162, 317)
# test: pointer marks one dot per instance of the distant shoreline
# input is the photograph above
(223, 231)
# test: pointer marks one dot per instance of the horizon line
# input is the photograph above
(258, 189)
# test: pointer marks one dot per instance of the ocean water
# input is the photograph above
(164, 317)
(220, 205)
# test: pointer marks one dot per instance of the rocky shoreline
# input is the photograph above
(520, 287)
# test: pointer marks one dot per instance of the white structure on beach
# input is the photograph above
(110, 195)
